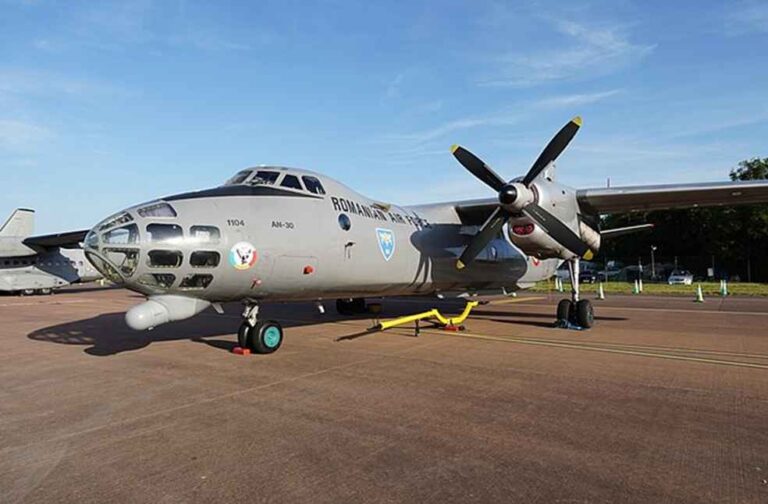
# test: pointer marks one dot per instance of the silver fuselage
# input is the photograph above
(266, 242)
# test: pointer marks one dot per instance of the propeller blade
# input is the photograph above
(555, 228)
(553, 149)
(489, 230)
(477, 167)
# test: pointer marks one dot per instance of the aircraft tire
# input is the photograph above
(45, 291)
(27, 292)
(266, 337)
(585, 314)
(565, 310)
(242, 335)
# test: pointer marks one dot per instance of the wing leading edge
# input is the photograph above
(660, 197)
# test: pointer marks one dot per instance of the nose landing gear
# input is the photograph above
(259, 336)
(575, 311)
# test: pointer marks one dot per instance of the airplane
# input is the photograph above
(40, 264)
(281, 234)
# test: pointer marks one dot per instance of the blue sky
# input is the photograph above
(106, 104)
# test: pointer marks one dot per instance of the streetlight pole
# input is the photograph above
(653, 263)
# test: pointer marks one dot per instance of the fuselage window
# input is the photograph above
(204, 259)
(205, 234)
(313, 185)
(264, 177)
(162, 280)
(122, 235)
(195, 281)
(344, 222)
(126, 260)
(291, 181)
(164, 233)
(237, 179)
(164, 258)
(161, 209)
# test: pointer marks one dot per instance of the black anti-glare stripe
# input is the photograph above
(239, 190)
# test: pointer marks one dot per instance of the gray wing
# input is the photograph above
(659, 197)
(71, 239)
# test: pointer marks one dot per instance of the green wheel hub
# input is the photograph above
(272, 336)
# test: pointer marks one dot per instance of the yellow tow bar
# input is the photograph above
(433, 313)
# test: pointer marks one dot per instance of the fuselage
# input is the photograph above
(46, 270)
(275, 233)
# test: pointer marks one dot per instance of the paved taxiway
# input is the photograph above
(663, 401)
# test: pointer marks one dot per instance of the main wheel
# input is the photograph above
(242, 335)
(266, 337)
(564, 310)
(28, 292)
(585, 314)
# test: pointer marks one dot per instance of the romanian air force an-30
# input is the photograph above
(280, 234)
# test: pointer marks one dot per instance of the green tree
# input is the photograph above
(737, 237)
(752, 169)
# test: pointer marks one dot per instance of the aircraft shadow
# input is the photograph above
(551, 316)
(106, 334)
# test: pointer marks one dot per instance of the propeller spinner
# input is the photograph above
(516, 197)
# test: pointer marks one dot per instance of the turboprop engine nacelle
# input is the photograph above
(533, 241)
(161, 309)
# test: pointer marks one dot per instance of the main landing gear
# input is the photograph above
(353, 306)
(259, 336)
(575, 311)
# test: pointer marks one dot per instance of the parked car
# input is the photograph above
(587, 277)
(680, 277)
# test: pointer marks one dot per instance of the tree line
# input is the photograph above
(733, 239)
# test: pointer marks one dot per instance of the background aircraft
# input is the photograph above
(40, 264)
(274, 233)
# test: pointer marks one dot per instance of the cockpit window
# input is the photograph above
(313, 185)
(237, 179)
(264, 177)
(161, 209)
(116, 221)
(291, 181)
(123, 235)
(164, 233)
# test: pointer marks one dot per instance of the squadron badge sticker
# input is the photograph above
(386, 242)
(242, 256)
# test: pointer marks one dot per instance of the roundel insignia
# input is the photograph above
(242, 256)
(535, 261)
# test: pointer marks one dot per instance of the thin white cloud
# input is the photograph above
(575, 100)
(39, 83)
(442, 130)
(589, 50)
(393, 87)
(15, 135)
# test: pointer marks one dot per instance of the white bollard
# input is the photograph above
(600, 292)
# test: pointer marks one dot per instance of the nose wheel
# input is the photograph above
(259, 336)
(575, 311)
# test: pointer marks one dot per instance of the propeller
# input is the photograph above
(518, 197)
